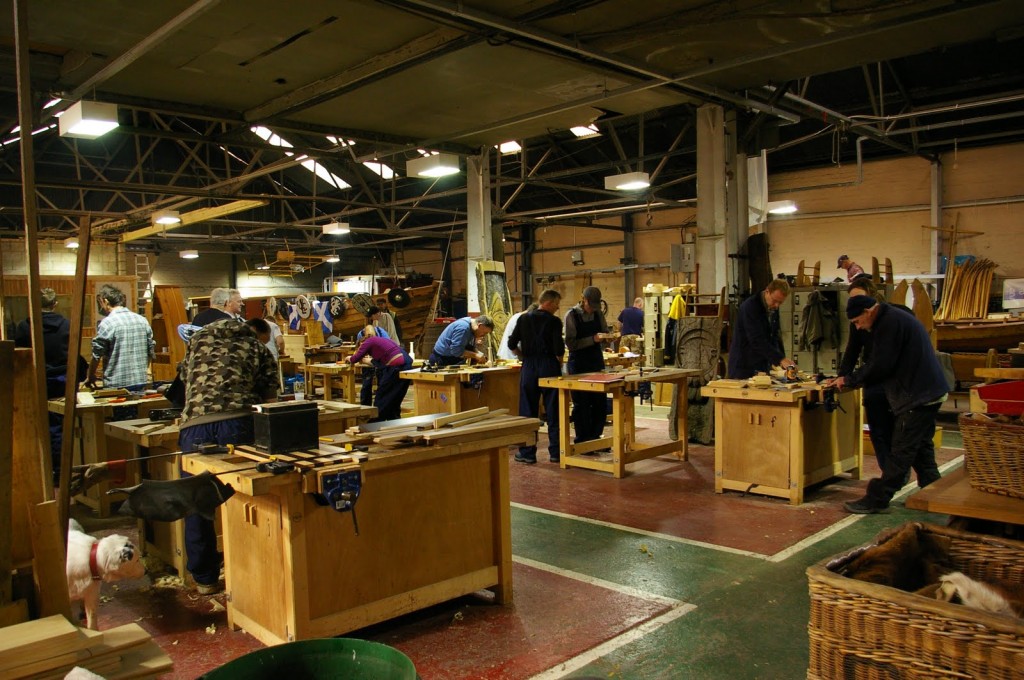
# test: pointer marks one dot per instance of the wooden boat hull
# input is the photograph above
(412, 317)
(979, 335)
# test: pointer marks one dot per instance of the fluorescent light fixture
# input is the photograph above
(585, 131)
(88, 120)
(263, 267)
(188, 254)
(334, 228)
(166, 217)
(781, 207)
(630, 181)
(434, 165)
(332, 258)
(71, 242)
(507, 148)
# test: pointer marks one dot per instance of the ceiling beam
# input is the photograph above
(193, 217)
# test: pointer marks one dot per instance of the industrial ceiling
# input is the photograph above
(359, 87)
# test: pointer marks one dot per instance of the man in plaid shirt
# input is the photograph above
(123, 340)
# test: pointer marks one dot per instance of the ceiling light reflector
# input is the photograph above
(332, 258)
(630, 181)
(782, 207)
(166, 217)
(88, 120)
(71, 242)
(334, 228)
(434, 165)
(585, 131)
(188, 254)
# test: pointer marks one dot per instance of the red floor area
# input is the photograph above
(468, 637)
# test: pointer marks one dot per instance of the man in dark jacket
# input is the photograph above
(537, 339)
(756, 340)
(904, 363)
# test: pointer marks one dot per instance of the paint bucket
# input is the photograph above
(322, 659)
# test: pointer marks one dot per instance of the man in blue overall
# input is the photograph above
(537, 339)
(585, 331)
(457, 342)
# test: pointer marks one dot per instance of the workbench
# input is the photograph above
(434, 524)
(462, 388)
(166, 540)
(624, 449)
(92, 445)
(340, 377)
(953, 495)
(777, 441)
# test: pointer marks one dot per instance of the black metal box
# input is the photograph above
(284, 427)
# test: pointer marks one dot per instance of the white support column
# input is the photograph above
(936, 240)
(479, 239)
(717, 226)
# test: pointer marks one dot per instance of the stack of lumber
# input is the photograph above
(51, 647)
(449, 429)
(966, 291)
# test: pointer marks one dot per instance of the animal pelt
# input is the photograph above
(996, 598)
(117, 558)
(170, 500)
(906, 558)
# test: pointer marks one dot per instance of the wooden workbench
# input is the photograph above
(953, 495)
(166, 540)
(452, 390)
(779, 441)
(92, 445)
(434, 524)
(624, 447)
(334, 377)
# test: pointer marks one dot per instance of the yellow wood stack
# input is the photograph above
(966, 291)
(51, 647)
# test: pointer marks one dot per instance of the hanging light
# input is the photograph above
(334, 228)
(71, 242)
(166, 217)
(630, 181)
(782, 207)
(88, 120)
(188, 254)
(332, 258)
(434, 165)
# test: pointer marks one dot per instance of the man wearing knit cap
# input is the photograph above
(585, 331)
(853, 270)
(904, 363)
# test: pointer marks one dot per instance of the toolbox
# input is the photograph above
(284, 427)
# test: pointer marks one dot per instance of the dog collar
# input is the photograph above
(94, 568)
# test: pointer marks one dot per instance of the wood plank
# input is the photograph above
(6, 466)
(27, 470)
(954, 495)
(1004, 373)
(49, 558)
(145, 661)
(38, 640)
(13, 612)
(496, 413)
(456, 417)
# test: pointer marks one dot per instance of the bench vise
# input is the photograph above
(339, 487)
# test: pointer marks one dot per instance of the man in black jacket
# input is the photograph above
(756, 340)
(537, 338)
(904, 363)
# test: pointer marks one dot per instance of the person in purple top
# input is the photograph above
(391, 388)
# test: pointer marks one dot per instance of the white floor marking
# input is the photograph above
(642, 532)
(601, 583)
(577, 662)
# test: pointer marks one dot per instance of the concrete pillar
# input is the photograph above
(480, 236)
(718, 232)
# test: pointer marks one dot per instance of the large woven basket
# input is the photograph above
(994, 456)
(865, 630)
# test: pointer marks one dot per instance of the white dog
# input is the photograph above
(92, 560)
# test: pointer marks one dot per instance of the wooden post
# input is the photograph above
(49, 558)
(6, 466)
(78, 303)
(28, 193)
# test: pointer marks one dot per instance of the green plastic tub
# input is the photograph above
(333, 658)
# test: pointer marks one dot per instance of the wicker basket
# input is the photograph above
(865, 630)
(994, 456)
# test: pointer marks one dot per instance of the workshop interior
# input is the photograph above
(512, 340)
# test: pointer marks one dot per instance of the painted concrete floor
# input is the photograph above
(650, 576)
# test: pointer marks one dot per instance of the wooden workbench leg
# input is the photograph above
(797, 455)
(502, 513)
(683, 418)
(620, 413)
(564, 429)
(719, 440)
